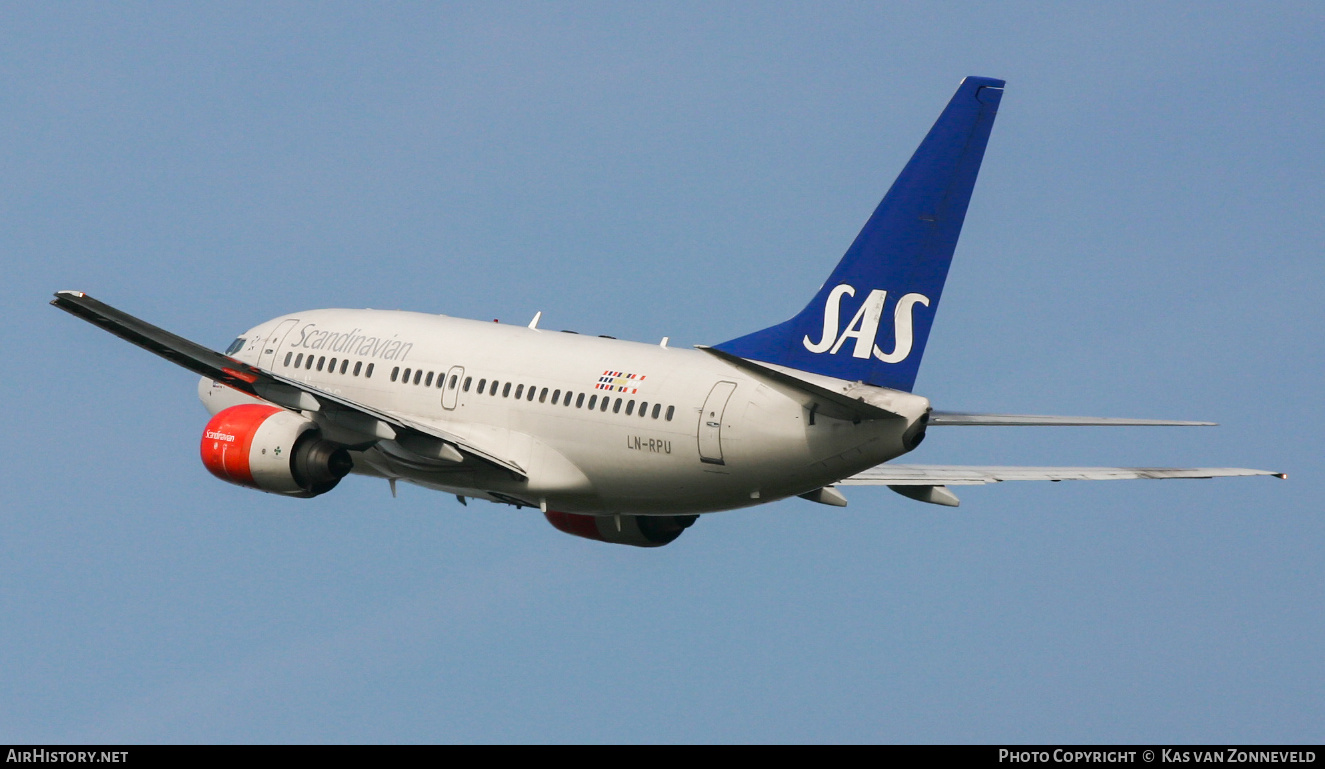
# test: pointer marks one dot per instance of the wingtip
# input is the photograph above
(63, 298)
(1281, 476)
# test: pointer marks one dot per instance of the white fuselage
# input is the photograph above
(681, 432)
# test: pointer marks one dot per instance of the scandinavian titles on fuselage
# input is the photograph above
(312, 338)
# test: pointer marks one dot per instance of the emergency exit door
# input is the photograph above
(451, 392)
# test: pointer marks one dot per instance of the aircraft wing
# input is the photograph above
(970, 475)
(958, 418)
(288, 393)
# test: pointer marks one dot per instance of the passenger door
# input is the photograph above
(710, 423)
(267, 358)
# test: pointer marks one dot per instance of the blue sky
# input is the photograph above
(1145, 240)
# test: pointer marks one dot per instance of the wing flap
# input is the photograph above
(971, 475)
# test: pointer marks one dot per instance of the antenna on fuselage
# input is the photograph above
(534, 323)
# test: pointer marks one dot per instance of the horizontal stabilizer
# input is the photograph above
(950, 418)
(966, 475)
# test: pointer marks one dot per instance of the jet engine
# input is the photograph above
(273, 450)
(637, 530)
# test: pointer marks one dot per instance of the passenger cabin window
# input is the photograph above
(566, 401)
(519, 391)
(556, 397)
(482, 385)
(405, 376)
(530, 395)
(288, 356)
(606, 402)
(331, 366)
(427, 381)
(579, 401)
(542, 397)
(656, 408)
(308, 364)
(468, 379)
(454, 378)
(616, 407)
(368, 372)
(670, 410)
(358, 366)
(321, 360)
(593, 401)
(506, 391)
(418, 375)
(630, 408)
(395, 372)
(643, 408)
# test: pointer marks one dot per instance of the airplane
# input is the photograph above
(618, 441)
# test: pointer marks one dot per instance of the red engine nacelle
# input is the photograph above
(637, 530)
(272, 450)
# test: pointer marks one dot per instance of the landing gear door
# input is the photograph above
(267, 359)
(451, 392)
(710, 423)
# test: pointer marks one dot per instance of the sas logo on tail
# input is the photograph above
(865, 325)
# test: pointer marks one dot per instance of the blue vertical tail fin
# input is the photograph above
(871, 319)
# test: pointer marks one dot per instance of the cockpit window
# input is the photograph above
(235, 346)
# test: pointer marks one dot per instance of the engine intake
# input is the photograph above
(273, 450)
(637, 530)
